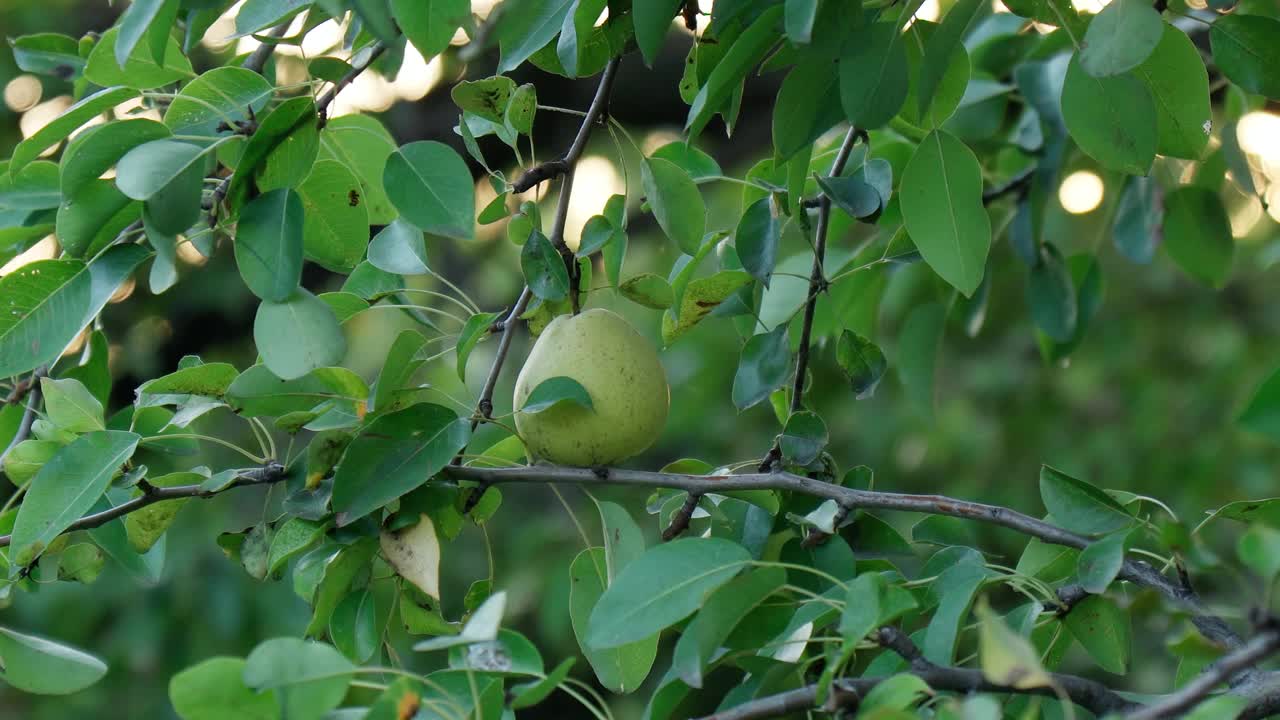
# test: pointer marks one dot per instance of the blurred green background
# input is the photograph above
(1146, 404)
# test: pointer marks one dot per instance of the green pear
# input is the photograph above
(619, 369)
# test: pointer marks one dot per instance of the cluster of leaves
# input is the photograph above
(954, 133)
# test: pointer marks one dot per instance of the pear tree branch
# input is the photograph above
(322, 105)
(1136, 571)
(270, 473)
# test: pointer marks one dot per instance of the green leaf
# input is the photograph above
(1101, 561)
(62, 126)
(723, 610)
(222, 96)
(873, 75)
(336, 226)
(430, 24)
(1247, 50)
(70, 405)
(141, 71)
(1007, 658)
(527, 695)
(803, 110)
(399, 248)
(398, 367)
(855, 194)
(1113, 119)
(804, 437)
(623, 541)
(429, 183)
(298, 335)
(1104, 631)
(1051, 295)
(281, 152)
(596, 234)
(1120, 38)
(1197, 234)
(475, 329)
(1137, 225)
(870, 603)
(268, 244)
(799, 19)
(35, 187)
(951, 85)
(676, 202)
(258, 15)
(1262, 415)
(553, 391)
(527, 27)
(757, 238)
(92, 152)
(482, 626)
(1259, 549)
(956, 588)
(522, 109)
(396, 453)
(48, 54)
(576, 35)
(1079, 506)
(309, 678)
(660, 588)
(82, 221)
(51, 301)
(940, 47)
(941, 200)
(215, 690)
(488, 98)
(148, 169)
(544, 269)
(699, 299)
(338, 569)
(652, 21)
(727, 76)
(692, 160)
(897, 693)
(620, 669)
(205, 380)
(66, 488)
(35, 665)
(862, 362)
(362, 144)
(146, 525)
(353, 628)
(1178, 81)
(146, 18)
(649, 290)
(257, 392)
(763, 367)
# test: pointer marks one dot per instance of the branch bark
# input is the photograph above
(1136, 571)
(271, 473)
(1193, 693)
(258, 59)
(322, 105)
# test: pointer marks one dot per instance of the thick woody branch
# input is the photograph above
(1135, 571)
(271, 473)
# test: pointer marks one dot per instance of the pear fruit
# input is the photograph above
(619, 369)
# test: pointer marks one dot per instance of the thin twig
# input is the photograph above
(1136, 571)
(272, 472)
(596, 113)
(1259, 648)
(322, 105)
